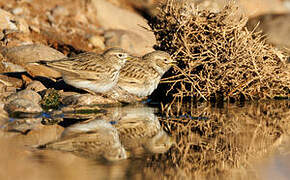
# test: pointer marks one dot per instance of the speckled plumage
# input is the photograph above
(91, 71)
(141, 76)
(139, 129)
(94, 139)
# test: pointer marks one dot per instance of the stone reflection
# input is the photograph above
(92, 139)
(29, 131)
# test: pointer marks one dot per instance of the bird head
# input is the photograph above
(160, 60)
(160, 143)
(117, 55)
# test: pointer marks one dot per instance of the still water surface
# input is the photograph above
(195, 141)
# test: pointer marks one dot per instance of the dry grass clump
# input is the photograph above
(217, 56)
(224, 143)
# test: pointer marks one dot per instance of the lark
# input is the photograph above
(141, 76)
(139, 130)
(94, 139)
(92, 72)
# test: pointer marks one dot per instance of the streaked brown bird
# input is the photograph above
(141, 76)
(94, 139)
(139, 129)
(93, 72)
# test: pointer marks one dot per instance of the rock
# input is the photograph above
(60, 11)
(22, 25)
(84, 106)
(27, 94)
(287, 4)
(212, 5)
(275, 26)
(125, 39)
(21, 55)
(31, 53)
(6, 20)
(50, 18)
(80, 17)
(22, 125)
(10, 81)
(8, 86)
(259, 7)
(10, 67)
(97, 42)
(16, 38)
(6, 91)
(86, 100)
(36, 86)
(9, 22)
(112, 17)
(2, 35)
(6, 66)
(17, 11)
(22, 105)
(64, 94)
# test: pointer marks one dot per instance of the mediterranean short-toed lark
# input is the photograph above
(139, 129)
(141, 76)
(91, 71)
(94, 139)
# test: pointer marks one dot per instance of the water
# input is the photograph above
(194, 141)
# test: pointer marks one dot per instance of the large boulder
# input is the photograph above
(111, 17)
(24, 55)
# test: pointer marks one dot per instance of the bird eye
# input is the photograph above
(121, 55)
(167, 60)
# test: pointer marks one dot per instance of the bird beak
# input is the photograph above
(129, 58)
(128, 154)
(173, 62)
(172, 141)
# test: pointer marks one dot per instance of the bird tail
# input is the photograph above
(41, 62)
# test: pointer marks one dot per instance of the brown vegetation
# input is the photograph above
(217, 56)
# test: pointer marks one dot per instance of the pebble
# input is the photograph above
(21, 55)
(85, 100)
(110, 16)
(22, 105)
(27, 94)
(97, 41)
(35, 86)
(10, 22)
(60, 11)
(22, 125)
(10, 81)
(17, 11)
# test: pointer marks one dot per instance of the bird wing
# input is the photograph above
(83, 65)
(137, 127)
(98, 137)
(134, 74)
(138, 78)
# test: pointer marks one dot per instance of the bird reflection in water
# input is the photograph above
(139, 130)
(93, 139)
(122, 131)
